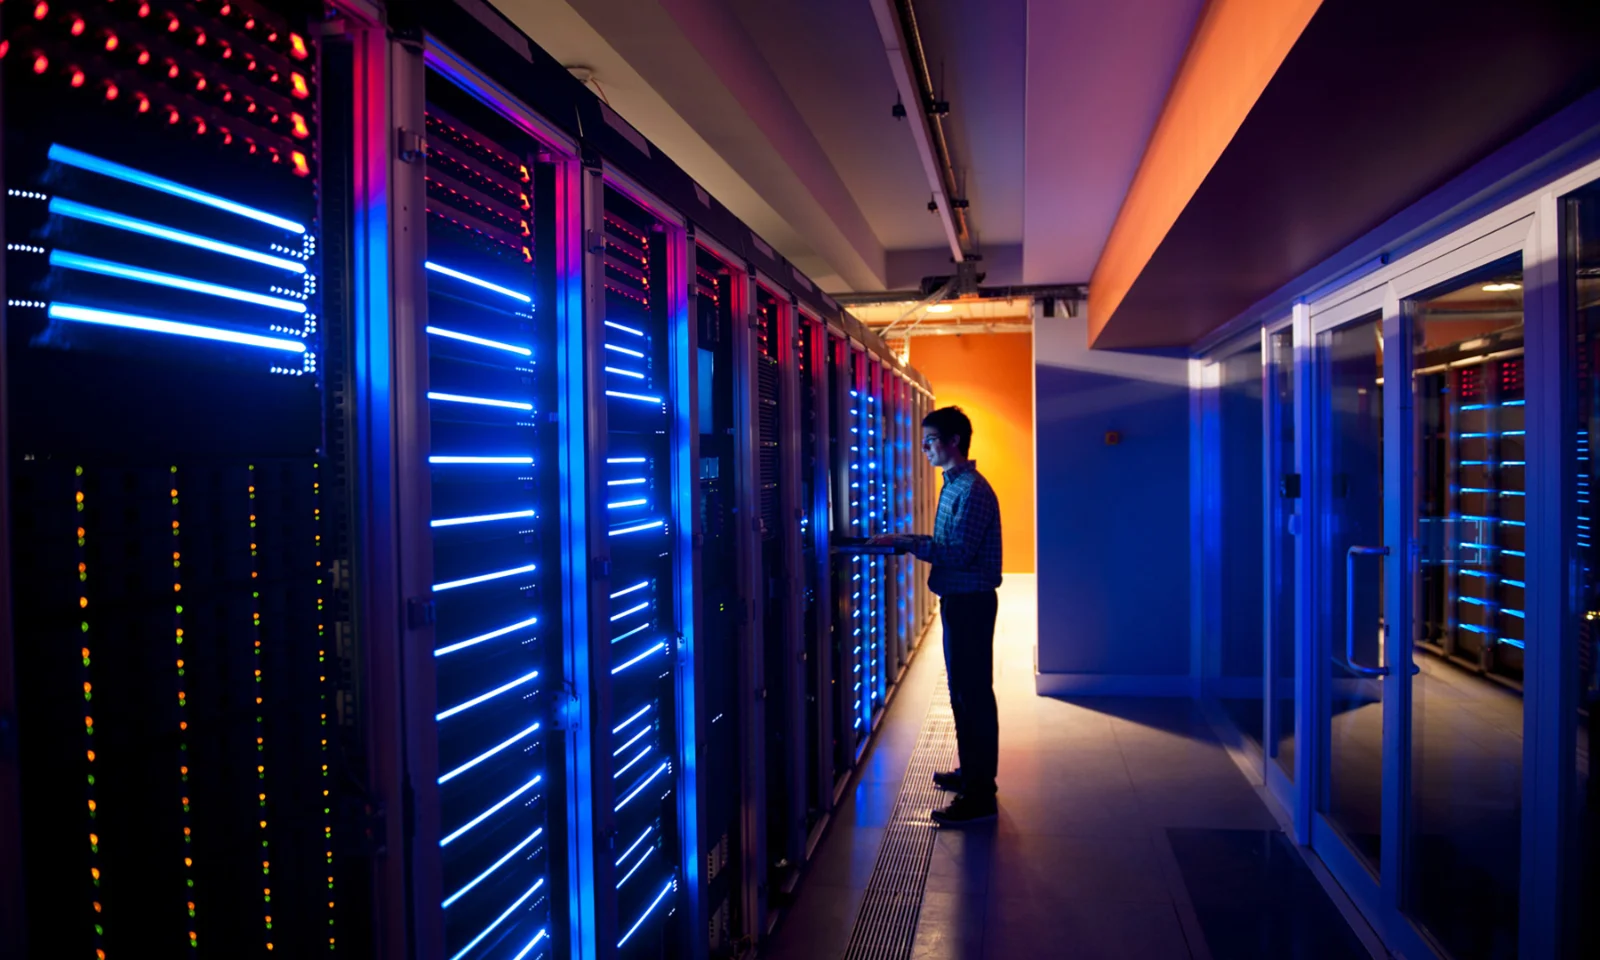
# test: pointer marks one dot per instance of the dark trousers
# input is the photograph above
(969, 662)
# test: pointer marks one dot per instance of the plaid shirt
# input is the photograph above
(965, 547)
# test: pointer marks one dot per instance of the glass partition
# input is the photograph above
(1471, 502)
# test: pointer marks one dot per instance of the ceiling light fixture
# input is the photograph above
(1501, 287)
(940, 308)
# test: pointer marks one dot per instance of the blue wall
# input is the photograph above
(1113, 521)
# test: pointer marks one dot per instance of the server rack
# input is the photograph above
(483, 275)
(177, 435)
(1472, 430)
(643, 781)
(721, 294)
(811, 362)
(479, 380)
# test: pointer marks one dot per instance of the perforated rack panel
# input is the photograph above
(719, 674)
(491, 380)
(642, 616)
(186, 711)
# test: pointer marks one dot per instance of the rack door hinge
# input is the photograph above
(566, 712)
(594, 241)
(420, 612)
(413, 146)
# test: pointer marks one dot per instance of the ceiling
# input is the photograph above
(782, 110)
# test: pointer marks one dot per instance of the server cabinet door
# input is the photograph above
(483, 344)
(175, 379)
(642, 702)
(721, 294)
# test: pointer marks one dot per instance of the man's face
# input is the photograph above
(939, 451)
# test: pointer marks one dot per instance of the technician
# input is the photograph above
(965, 554)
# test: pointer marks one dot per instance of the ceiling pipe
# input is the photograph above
(927, 301)
(897, 26)
(1039, 291)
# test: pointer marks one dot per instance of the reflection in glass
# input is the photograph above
(1240, 645)
(1284, 504)
(1351, 510)
(1583, 293)
(1466, 762)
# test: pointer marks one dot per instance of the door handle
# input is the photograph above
(1350, 611)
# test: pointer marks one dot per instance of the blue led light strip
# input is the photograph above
(480, 341)
(626, 373)
(474, 641)
(493, 867)
(483, 578)
(629, 765)
(480, 401)
(624, 724)
(105, 218)
(625, 460)
(629, 852)
(500, 805)
(483, 697)
(627, 590)
(635, 868)
(631, 353)
(528, 461)
(617, 326)
(643, 656)
(648, 910)
(618, 752)
(469, 278)
(83, 161)
(641, 628)
(542, 934)
(482, 518)
(630, 611)
(514, 738)
(636, 528)
(632, 396)
(618, 505)
(107, 268)
(499, 920)
(642, 784)
(128, 321)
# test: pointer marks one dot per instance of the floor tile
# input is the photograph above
(1084, 930)
(950, 927)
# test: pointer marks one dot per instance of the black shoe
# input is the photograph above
(948, 780)
(964, 810)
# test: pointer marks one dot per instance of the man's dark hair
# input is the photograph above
(951, 422)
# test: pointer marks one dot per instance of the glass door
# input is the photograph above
(1349, 492)
(1420, 577)
(1461, 873)
(1281, 490)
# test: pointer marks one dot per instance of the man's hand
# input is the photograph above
(900, 541)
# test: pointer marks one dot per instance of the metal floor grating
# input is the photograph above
(887, 923)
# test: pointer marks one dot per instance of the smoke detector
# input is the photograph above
(581, 73)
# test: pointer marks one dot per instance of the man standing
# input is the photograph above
(965, 554)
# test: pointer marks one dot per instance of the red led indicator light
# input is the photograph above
(41, 63)
(297, 47)
(173, 116)
(144, 10)
(302, 166)
(41, 10)
(77, 77)
(111, 41)
(299, 87)
(5, 48)
(111, 91)
(77, 26)
(144, 56)
(144, 103)
(298, 124)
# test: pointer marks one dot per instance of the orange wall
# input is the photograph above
(990, 376)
